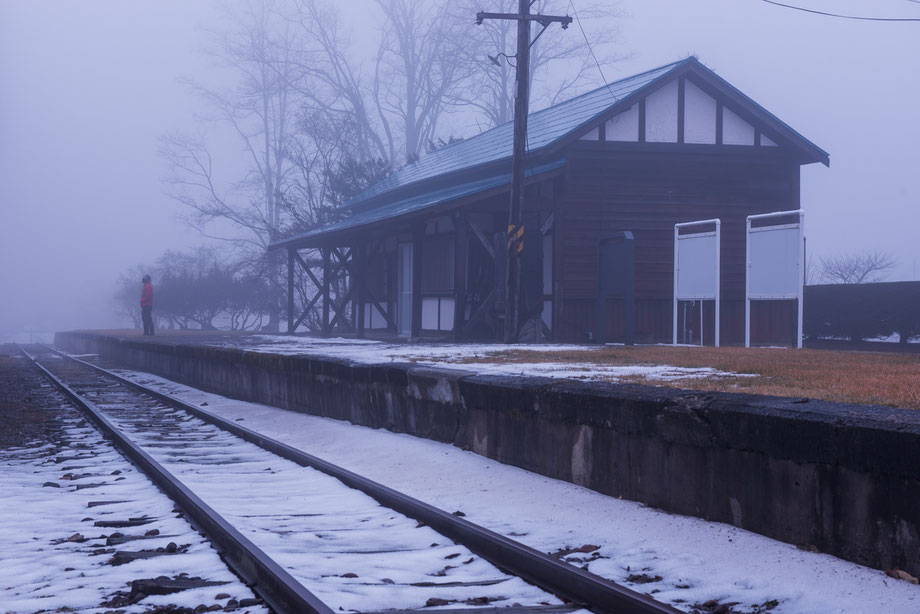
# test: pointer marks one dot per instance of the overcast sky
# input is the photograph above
(87, 88)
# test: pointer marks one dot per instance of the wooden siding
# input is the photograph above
(647, 192)
(438, 264)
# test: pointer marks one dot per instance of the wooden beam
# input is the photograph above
(642, 120)
(307, 308)
(340, 308)
(681, 85)
(461, 244)
(307, 269)
(325, 289)
(480, 312)
(719, 113)
(418, 235)
(386, 316)
(340, 264)
(345, 261)
(290, 289)
(360, 253)
(482, 239)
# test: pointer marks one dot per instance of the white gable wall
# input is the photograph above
(736, 131)
(594, 135)
(699, 115)
(661, 115)
(625, 126)
(661, 120)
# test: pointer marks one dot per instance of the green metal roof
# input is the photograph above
(404, 191)
(543, 128)
(416, 203)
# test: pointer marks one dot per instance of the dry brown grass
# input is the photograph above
(854, 377)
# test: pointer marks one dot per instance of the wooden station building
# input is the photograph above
(421, 253)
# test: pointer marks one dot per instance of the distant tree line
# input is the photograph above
(863, 311)
(851, 301)
(198, 290)
(856, 267)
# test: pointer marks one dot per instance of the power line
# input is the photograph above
(856, 17)
(515, 236)
(591, 49)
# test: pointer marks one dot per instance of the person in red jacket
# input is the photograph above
(147, 306)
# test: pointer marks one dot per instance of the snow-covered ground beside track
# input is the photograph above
(681, 560)
(53, 558)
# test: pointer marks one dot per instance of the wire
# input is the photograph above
(591, 49)
(859, 18)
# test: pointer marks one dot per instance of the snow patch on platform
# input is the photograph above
(455, 356)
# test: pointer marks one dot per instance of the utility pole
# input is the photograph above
(515, 243)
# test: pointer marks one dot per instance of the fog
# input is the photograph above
(87, 89)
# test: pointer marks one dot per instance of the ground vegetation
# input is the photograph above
(851, 377)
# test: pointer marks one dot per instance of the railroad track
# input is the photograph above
(309, 536)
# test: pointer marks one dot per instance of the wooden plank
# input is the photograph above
(461, 245)
(325, 288)
(681, 89)
(418, 236)
(360, 253)
(648, 194)
(340, 308)
(480, 313)
(720, 111)
(642, 120)
(307, 269)
(306, 310)
(486, 243)
(391, 324)
(290, 290)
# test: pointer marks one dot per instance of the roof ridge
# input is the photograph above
(465, 142)
(612, 83)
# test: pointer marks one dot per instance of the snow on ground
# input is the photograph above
(342, 545)
(892, 338)
(450, 356)
(44, 571)
(687, 559)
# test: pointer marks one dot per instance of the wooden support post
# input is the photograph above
(290, 288)
(326, 271)
(515, 230)
(418, 234)
(461, 244)
(359, 257)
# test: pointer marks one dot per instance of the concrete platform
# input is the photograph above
(842, 478)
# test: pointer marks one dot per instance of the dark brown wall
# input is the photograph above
(647, 192)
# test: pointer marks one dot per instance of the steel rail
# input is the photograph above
(571, 583)
(276, 586)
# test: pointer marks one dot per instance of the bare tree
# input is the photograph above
(578, 64)
(861, 268)
(260, 109)
(305, 112)
(393, 111)
(419, 71)
(262, 52)
(337, 86)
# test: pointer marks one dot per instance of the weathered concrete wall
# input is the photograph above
(843, 478)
